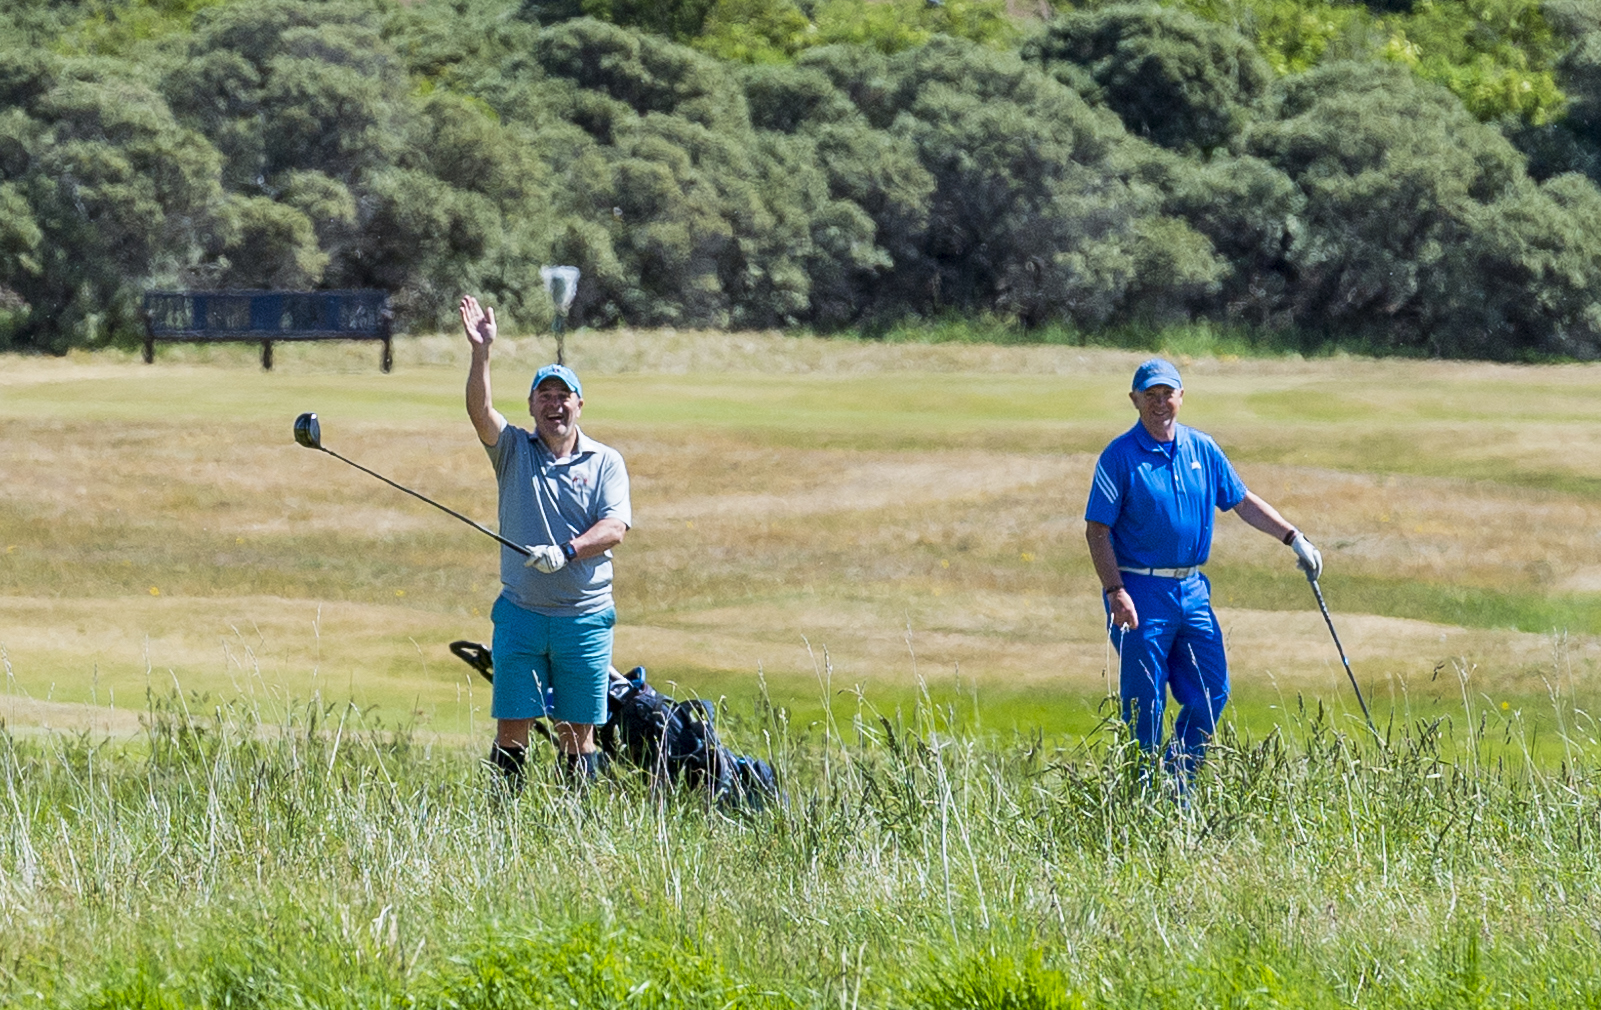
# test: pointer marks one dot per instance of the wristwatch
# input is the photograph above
(569, 551)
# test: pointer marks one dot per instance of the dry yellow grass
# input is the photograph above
(889, 504)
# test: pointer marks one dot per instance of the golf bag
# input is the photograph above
(677, 741)
(673, 741)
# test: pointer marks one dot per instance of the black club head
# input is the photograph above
(308, 432)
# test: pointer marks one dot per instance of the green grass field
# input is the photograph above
(240, 767)
(908, 511)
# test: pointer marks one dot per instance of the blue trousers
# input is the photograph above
(1178, 647)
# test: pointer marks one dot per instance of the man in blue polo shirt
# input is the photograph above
(566, 495)
(1149, 527)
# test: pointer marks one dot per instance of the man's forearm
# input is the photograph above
(1119, 603)
(1258, 514)
(599, 538)
(486, 420)
(1102, 555)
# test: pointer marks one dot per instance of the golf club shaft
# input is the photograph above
(539, 498)
(1318, 592)
(519, 548)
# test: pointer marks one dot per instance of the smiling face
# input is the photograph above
(1159, 409)
(555, 410)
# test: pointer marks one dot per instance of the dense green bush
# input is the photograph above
(1573, 142)
(1173, 78)
(770, 31)
(828, 165)
(107, 188)
(1417, 218)
(1498, 56)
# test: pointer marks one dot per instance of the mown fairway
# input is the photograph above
(821, 512)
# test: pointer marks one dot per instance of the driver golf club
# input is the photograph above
(309, 434)
(1330, 622)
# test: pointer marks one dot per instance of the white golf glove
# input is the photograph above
(547, 558)
(1307, 557)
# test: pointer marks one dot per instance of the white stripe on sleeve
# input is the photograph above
(1104, 484)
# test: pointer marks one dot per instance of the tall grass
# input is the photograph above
(321, 860)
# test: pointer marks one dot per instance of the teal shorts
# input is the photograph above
(552, 666)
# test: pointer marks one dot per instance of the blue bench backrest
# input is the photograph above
(267, 313)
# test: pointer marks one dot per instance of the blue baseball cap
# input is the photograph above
(561, 372)
(1157, 372)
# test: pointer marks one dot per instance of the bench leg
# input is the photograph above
(388, 360)
(150, 349)
(266, 355)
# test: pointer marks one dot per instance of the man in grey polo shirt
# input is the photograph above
(566, 496)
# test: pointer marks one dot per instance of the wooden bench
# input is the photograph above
(267, 316)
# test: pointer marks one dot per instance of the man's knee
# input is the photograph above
(1201, 702)
(512, 732)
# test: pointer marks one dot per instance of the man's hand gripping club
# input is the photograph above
(548, 558)
(1307, 558)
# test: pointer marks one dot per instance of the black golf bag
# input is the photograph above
(673, 741)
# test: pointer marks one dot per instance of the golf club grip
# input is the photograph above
(519, 548)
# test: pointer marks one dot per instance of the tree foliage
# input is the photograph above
(1499, 57)
(822, 165)
(107, 186)
(1172, 77)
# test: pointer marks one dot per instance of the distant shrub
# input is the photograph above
(1409, 216)
(1173, 78)
(1497, 56)
(102, 186)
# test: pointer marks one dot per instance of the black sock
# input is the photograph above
(511, 762)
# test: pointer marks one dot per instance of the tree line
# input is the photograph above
(1116, 164)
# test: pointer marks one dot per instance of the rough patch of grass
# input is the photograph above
(323, 860)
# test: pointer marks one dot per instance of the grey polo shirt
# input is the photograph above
(573, 493)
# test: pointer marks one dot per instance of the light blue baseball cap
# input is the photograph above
(1157, 372)
(562, 372)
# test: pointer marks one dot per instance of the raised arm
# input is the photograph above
(480, 326)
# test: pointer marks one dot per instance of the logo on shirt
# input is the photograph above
(579, 480)
(1195, 464)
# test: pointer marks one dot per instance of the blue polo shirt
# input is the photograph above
(574, 493)
(1159, 498)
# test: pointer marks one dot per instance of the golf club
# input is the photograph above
(309, 434)
(1318, 591)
